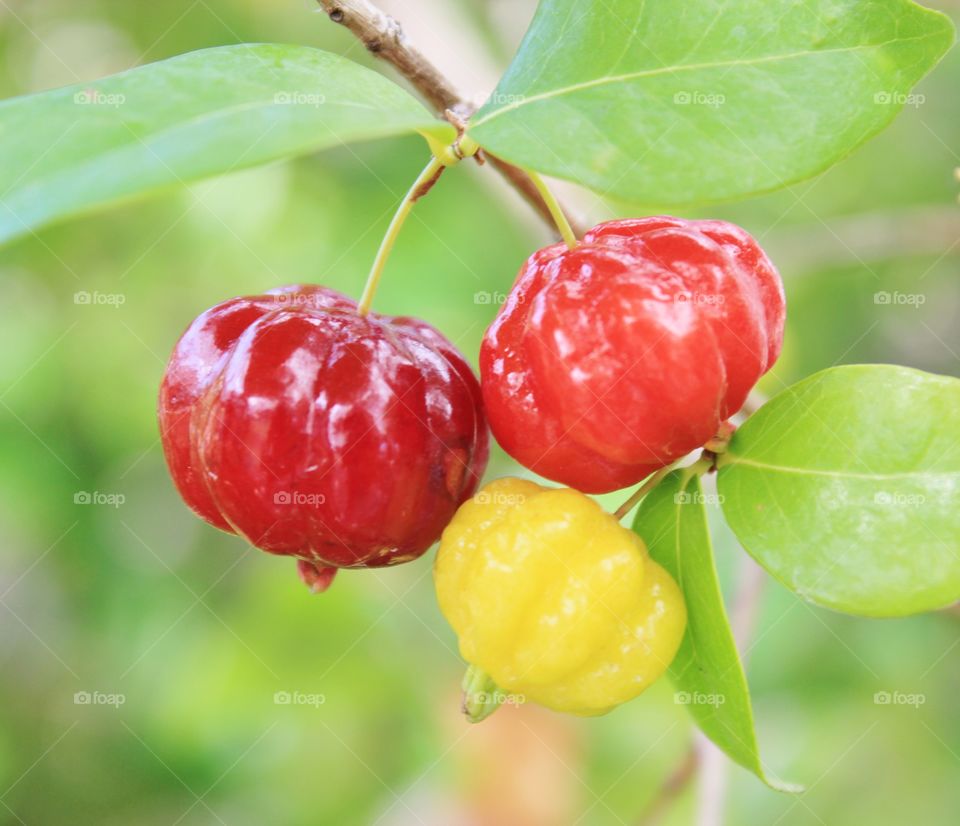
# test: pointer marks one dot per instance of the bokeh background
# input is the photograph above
(145, 657)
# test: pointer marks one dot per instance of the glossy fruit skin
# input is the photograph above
(556, 600)
(312, 431)
(611, 360)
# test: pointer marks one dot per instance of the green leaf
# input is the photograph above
(667, 102)
(845, 487)
(196, 115)
(706, 671)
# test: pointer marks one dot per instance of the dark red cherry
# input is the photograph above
(312, 431)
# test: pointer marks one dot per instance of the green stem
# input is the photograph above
(711, 456)
(420, 186)
(566, 232)
(481, 696)
(642, 491)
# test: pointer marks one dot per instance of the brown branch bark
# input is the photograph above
(671, 788)
(383, 36)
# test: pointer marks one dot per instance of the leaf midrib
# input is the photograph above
(685, 67)
(149, 140)
(734, 460)
(752, 747)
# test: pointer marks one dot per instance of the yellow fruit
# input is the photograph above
(554, 599)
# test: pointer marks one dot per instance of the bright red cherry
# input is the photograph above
(616, 358)
(313, 431)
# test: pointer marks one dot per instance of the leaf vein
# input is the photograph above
(718, 64)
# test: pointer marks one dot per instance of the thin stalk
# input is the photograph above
(556, 212)
(421, 185)
(701, 466)
(642, 491)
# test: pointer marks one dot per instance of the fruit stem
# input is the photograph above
(642, 491)
(481, 697)
(421, 186)
(559, 218)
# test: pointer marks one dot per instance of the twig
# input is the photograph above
(670, 789)
(383, 36)
(711, 782)
(743, 617)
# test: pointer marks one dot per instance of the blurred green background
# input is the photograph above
(145, 657)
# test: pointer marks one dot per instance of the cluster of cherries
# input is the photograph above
(349, 439)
